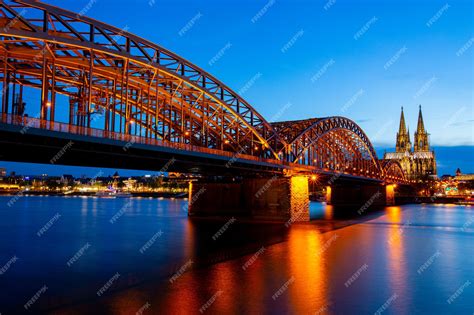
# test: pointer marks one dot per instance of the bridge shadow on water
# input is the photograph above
(210, 241)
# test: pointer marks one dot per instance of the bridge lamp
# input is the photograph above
(227, 142)
(48, 104)
(131, 122)
(256, 148)
(186, 133)
(314, 178)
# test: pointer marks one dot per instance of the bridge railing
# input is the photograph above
(31, 122)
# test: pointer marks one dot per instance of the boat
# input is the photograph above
(466, 202)
(122, 194)
(106, 194)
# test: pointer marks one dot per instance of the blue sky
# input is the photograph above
(360, 59)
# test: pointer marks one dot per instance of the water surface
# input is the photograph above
(403, 260)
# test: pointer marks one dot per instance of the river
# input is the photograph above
(83, 255)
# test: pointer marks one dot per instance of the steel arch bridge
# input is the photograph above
(121, 86)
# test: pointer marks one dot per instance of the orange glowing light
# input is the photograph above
(48, 104)
(314, 177)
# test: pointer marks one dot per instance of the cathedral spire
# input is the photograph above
(402, 129)
(421, 126)
(421, 136)
(403, 138)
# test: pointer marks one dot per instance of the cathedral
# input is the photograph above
(419, 162)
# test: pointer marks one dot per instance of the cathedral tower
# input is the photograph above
(421, 136)
(403, 137)
(419, 164)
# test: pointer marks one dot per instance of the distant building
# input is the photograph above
(419, 162)
(463, 177)
(3, 172)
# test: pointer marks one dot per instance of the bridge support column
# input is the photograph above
(360, 195)
(275, 198)
(390, 195)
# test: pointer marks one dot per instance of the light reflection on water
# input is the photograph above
(315, 260)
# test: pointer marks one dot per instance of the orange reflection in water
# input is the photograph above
(394, 214)
(396, 249)
(306, 256)
(328, 212)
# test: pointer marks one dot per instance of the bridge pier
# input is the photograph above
(275, 198)
(361, 195)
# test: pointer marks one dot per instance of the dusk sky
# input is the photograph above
(358, 59)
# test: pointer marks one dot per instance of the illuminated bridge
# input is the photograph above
(77, 91)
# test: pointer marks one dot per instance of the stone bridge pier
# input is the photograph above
(279, 198)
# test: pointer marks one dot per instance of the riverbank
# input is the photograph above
(179, 195)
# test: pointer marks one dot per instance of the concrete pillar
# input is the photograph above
(390, 194)
(275, 198)
(299, 198)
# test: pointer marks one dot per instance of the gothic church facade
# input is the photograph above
(418, 162)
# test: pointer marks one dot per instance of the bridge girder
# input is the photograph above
(74, 47)
(144, 90)
(336, 142)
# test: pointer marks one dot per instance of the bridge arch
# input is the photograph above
(332, 143)
(393, 171)
(141, 88)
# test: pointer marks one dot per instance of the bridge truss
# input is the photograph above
(122, 84)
